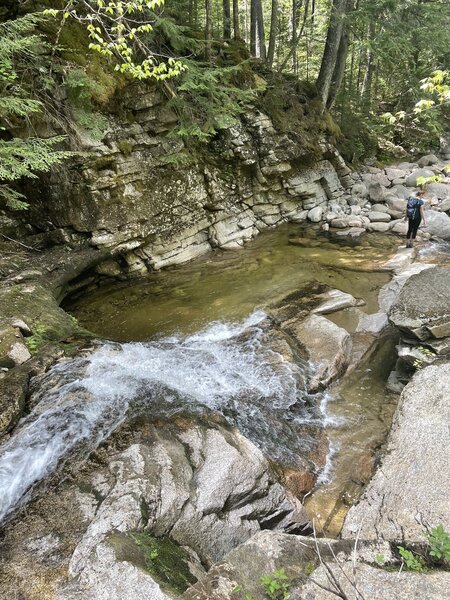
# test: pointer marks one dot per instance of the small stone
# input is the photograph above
(335, 300)
(429, 159)
(19, 353)
(379, 216)
(24, 329)
(315, 214)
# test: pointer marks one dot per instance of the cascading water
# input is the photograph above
(225, 367)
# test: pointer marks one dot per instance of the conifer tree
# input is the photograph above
(19, 157)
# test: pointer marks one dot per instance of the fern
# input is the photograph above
(20, 107)
(80, 92)
(209, 99)
(21, 157)
(179, 37)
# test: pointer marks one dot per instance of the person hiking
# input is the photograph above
(414, 215)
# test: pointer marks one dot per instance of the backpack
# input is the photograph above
(412, 205)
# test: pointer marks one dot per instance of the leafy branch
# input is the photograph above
(118, 30)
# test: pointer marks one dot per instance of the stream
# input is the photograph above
(191, 340)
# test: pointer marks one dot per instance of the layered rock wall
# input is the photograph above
(154, 202)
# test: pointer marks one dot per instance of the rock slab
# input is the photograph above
(409, 492)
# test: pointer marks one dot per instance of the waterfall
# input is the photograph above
(225, 367)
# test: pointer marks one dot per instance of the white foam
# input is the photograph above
(81, 401)
(327, 471)
(328, 419)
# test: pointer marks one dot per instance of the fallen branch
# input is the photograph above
(20, 243)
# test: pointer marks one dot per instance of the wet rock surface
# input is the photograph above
(328, 347)
(409, 492)
(170, 483)
(422, 309)
(209, 488)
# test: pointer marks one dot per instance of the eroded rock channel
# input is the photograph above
(141, 464)
(238, 394)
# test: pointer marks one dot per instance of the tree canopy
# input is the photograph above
(380, 66)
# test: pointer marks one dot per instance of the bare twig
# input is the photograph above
(330, 575)
(354, 551)
(358, 593)
(20, 243)
(333, 580)
(327, 589)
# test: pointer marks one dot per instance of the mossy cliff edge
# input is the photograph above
(138, 198)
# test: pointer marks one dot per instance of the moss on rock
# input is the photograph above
(163, 559)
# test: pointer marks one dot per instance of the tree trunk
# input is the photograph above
(253, 27)
(296, 36)
(191, 14)
(260, 28)
(273, 33)
(236, 25)
(330, 53)
(366, 90)
(208, 29)
(339, 70)
(226, 19)
(293, 52)
(195, 15)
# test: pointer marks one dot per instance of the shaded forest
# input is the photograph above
(379, 67)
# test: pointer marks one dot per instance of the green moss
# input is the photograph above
(179, 158)
(74, 43)
(331, 127)
(102, 162)
(161, 558)
(293, 109)
(125, 147)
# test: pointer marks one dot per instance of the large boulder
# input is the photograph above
(328, 346)
(422, 309)
(445, 144)
(438, 224)
(370, 582)
(393, 173)
(377, 192)
(238, 577)
(379, 227)
(208, 488)
(400, 191)
(409, 492)
(360, 190)
(315, 214)
(411, 180)
(429, 159)
(378, 216)
(396, 204)
(309, 570)
(390, 292)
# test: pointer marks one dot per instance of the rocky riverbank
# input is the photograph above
(197, 492)
(157, 508)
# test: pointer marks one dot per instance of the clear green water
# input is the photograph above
(230, 285)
